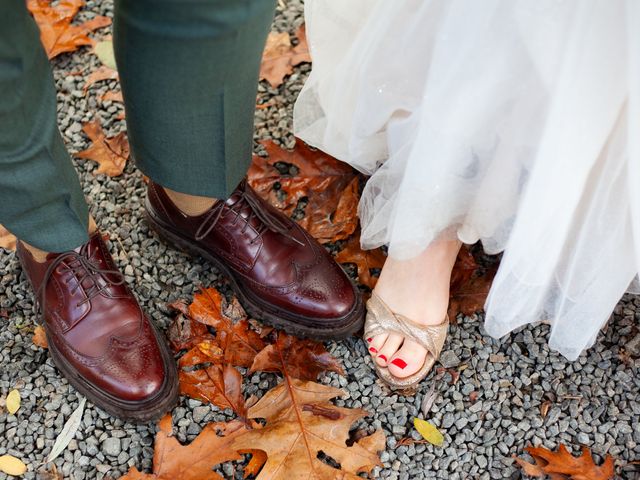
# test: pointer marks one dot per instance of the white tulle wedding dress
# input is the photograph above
(513, 122)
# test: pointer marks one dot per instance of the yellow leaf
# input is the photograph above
(13, 401)
(11, 465)
(430, 433)
(104, 51)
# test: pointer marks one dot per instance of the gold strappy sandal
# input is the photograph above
(380, 319)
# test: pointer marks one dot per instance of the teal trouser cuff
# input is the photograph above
(189, 73)
(189, 76)
(41, 201)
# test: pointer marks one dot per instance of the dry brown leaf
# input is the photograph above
(7, 240)
(463, 269)
(331, 224)
(258, 459)
(40, 337)
(172, 461)
(471, 295)
(99, 75)
(561, 464)
(111, 154)
(296, 358)
(112, 96)
(233, 333)
(186, 333)
(221, 386)
(279, 56)
(365, 260)
(57, 33)
(295, 434)
(330, 186)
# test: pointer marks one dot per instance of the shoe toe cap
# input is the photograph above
(329, 295)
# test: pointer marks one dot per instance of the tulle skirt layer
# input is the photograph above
(513, 122)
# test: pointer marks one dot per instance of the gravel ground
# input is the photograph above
(490, 414)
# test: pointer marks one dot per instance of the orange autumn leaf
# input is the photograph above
(233, 334)
(7, 239)
(111, 154)
(186, 333)
(365, 260)
(561, 464)
(330, 186)
(469, 296)
(257, 461)
(299, 358)
(464, 268)
(219, 385)
(40, 337)
(99, 75)
(112, 96)
(328, 223)
(172, 460)
(279, 56)
(301, 422)
(57, 33)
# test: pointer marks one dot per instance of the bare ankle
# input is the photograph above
(191, 205)
(40, 256)
(419, 288)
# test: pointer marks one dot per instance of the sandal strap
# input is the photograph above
(381, 319)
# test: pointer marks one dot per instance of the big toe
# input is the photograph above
(408, 360)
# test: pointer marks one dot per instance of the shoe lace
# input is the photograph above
(267, 220)
(82, 269)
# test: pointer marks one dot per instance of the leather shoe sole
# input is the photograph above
(139, 411)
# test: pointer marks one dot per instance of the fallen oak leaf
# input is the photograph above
(279, 56)
(57, 34)
(471, 295)
(40, 337)
(186, 333)
(293, 436)
(562, 462)
(329, 226)
(112, 96)
(463, 269)
(233, 333)
(99, 75)
(295, 358)
(172, 460)
(365, 260)
(7, 240)
(257, 461)
(328, 184)
(206, 351)
(111, 154)
(219, 385)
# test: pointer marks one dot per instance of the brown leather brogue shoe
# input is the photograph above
(98, 336)
(278, 271)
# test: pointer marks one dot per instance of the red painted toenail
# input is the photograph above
(398, 362)
(373, 350)
(382, 357)
(369, 340)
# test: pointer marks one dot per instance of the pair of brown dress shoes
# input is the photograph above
(109, 350)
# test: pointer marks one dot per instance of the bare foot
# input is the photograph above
(418, 289)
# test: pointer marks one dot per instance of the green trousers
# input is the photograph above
(189, 74)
